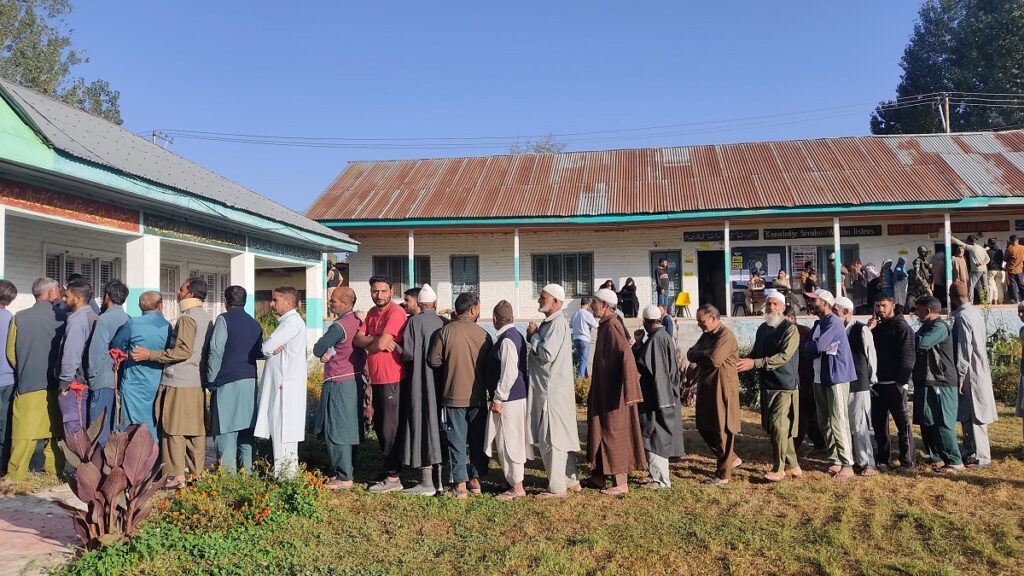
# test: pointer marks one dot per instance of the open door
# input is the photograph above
(711, 279)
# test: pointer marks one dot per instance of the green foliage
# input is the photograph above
(582, 386)
(36, 52)
(268, 322)
(1004, 351)
(972, 46)
(750, 384)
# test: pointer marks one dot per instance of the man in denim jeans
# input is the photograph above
(582, 324)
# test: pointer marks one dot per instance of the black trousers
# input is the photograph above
(891, 399)
(386, 419)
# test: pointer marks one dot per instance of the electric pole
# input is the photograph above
(156, 134)
(945, 104)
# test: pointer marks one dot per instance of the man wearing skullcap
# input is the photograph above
(508, 424)
(615, 445)
(865, 361)
(552, 394)
(421, 425)
(661, 423)
(716, 355)
(776, 354)
(977, 401)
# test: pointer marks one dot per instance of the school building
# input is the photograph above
(504, 226)
(81, 195)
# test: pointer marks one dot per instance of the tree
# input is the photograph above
(965, 49)
(546, 145)
(36, 52)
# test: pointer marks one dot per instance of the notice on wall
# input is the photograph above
(719, 235)
(822, 232)
(688, 260)
(774, 263)
(688, 274)
(956, 227)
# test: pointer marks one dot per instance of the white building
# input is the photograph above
(503, 226)
(81, 195)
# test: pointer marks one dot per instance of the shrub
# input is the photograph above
(268, 322)
(582, 386)
(750, 384)
(1004, 352)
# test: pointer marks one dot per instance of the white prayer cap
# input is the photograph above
(555, 291)
(426, 295)
(773, 294)
(652, 312)
(820, 294)
(608, 297)
(845, 303)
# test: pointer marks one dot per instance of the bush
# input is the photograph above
(268, 322)
(750, 384)
(582, 386)
(1004, 352)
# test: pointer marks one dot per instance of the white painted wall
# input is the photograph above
(618, 254)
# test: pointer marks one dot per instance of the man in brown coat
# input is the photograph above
(718, 390)
(615, 445)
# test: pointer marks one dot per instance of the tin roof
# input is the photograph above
(832, 171)
(96, 140)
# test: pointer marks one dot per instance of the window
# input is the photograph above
(396, 269)
(465, 276)
(169, 291)
(574, 272)
(98, 271)
(216, 283)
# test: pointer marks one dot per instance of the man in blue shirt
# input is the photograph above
(100, 369)
(582, 324)
(140, 380)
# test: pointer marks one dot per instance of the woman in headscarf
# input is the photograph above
(628, 302)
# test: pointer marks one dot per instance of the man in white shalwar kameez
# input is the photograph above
(282, 411)
(552, 394)
(508, 422)
(977, 400)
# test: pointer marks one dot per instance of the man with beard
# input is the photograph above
(833, 372)
(808, 427)
(100, 367)
(381, 337)
(614, 443)
(552, 394)
(865, 361)
(421, 429)
(410, 301)
(935, 391)
(460, 352)
(776, 353)
(894, 345)
(977, 402)
(715, 356)
(661, 423)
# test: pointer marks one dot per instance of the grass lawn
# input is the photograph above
(889, 524)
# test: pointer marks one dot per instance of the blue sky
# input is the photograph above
(474, 69)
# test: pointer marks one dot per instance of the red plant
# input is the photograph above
(116, 482)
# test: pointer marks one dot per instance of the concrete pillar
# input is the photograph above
(515, 268)
(837, 248)
(142, 270)
(412, 260)
(243, 273)
(3, 241)
(947, 235)
(314, 303)
(728, 271)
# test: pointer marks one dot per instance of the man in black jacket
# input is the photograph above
(896, 349)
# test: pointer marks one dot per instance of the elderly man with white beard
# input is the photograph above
(776, 353)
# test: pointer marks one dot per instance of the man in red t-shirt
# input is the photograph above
(381, 336)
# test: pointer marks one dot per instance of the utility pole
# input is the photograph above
(156, 134)
(945, 105)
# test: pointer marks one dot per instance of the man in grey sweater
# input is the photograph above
(73, 386)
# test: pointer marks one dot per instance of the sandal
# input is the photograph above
(457, 494)
(795, 472)
(552, 496)
(474, 490)
(577, 488)
(775, 476)
(510, 495)
(614, 491)
(592, 484)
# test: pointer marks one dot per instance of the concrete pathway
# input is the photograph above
(36, 533)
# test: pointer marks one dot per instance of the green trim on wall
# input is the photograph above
(314, 313)
(19, 140)
(974, 202)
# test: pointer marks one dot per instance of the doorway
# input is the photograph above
(675, 280)
(711, 279)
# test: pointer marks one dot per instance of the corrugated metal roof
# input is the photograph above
(96, 140)
(831, 171)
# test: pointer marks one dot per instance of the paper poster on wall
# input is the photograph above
(688, 260)
(774, 263)
(688, 274)
(903, 251)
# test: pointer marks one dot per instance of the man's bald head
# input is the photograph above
(958, 294)
(150, 300)
(342, 300)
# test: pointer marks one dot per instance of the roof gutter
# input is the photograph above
(966, 203)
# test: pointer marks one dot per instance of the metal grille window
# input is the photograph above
(465, 276)
(396, 269)
(169, 291)
(573, 271)
(97, 271)
(216, 283)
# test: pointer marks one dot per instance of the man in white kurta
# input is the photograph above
(508, 422)
(552, 394)
(977, 401)
(282, 411)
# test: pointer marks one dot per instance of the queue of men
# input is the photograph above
(438, 390)
(67, 368)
